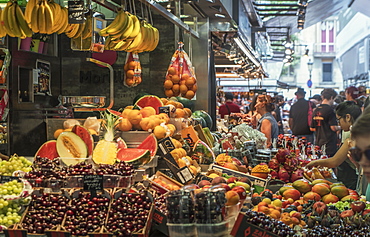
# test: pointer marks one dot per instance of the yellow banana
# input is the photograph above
(80, 30)
(116, 21)
(127, 32)
(106, 43)
(64, 25)
(49, 18)
(136, 42)
(137, 25)
(73, 31)
(125, 44)
(55, 8)
(149, 38)
(22, 21)
(2, 29)
(117, 24)
(13, 24)
(28, 12)
(156, 39)
(34, 18)
(87, 31)
(41, 18)
(119, 30)
(144, 39)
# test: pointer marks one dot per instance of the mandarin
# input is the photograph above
(168, 84)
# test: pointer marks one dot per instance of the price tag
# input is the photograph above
(166, 146)
(184, 175)
(93, 183)
(5, 179)
(165, 110)
(160, 222)
(76, 12)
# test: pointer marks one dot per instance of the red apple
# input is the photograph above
(366, 211)
(358, 206)
(347, 213)
(225, 186)
(232, 180)
(241, 191)
(320, 208)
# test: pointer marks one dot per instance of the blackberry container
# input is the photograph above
(210, 206)
(180, 206)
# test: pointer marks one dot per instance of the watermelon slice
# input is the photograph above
(121, 144)
(149, 100)
(135, 156)
(48, 150)
(150, 143)
(85, 135)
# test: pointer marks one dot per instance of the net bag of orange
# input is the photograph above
(132, 68)
(180, 76)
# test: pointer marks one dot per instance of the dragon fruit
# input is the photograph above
(273, 164)
(297, 174)
(274, 174)
(282, 154)
(283, 174)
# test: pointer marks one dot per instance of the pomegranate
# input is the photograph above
(274, 164)
(283, 174)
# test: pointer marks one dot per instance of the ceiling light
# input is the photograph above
(246, 51)
(220, 16)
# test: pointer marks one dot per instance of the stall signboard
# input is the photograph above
(190, 136)
(160, 222)
(243, 228)
(76, 12)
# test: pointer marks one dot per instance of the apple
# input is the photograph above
(241, 191)
(225, 186)
(232, 180)
(320, 208)
(203, 183)
(365, 212)
(358, 206)
(347, 213)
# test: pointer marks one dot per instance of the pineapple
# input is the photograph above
(105, 151)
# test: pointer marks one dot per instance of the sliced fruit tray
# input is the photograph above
(162, 183)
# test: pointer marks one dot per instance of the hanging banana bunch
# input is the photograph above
(128, 33)
(3, 32)
(14, 23)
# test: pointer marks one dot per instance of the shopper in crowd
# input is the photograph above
(267, 123)
(346, 113)
(360, 152)
(316, 99)
(352, 94)
(278, 112)
(300, 116)
(229, 106)
(324, 122)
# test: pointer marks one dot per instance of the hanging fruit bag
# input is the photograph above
(132, 68)
(180, 76)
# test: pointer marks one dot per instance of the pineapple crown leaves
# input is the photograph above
(110, 121)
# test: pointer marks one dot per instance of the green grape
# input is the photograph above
(14, 163)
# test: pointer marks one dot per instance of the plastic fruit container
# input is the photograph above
(180, 206)
(183, 230)
(213, 230)
(210, 206)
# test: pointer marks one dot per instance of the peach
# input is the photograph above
(321, 188)
(330, 198)
(232, 198)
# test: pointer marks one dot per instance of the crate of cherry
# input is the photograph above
(130, 214)
(46, 211)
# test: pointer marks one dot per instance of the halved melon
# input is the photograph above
(48, 150)
(149, 100)
(71, 148)
(86, 136)
(135, 156)
(150, 143)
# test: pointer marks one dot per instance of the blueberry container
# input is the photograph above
(180, 206)
(210, 206)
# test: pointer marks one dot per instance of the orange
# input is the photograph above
(175, 79)
(130, 74)
(125, 125)
(168, 84)
(125, 67)
(164, 117)
(179, 105)
(176, 88)
(172, 71)
(137, 80)
(189, 95)
(180, 113)
(190, 82)
(168, 93)
(134, 116)
(130, 81)
(194, 88)
(125, 112)
(185, 77)
(182, 82)
(188, 112)
(58, 132)
(132, 65)
(159, 132)
(183, 89)
(164, 100)
(147, 111)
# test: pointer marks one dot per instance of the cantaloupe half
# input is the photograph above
(71, 148)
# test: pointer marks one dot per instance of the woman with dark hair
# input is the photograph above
(352, 94)
(346, 112)
(360, 150)
(267, 123)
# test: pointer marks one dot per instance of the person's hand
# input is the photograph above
(311, 164)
